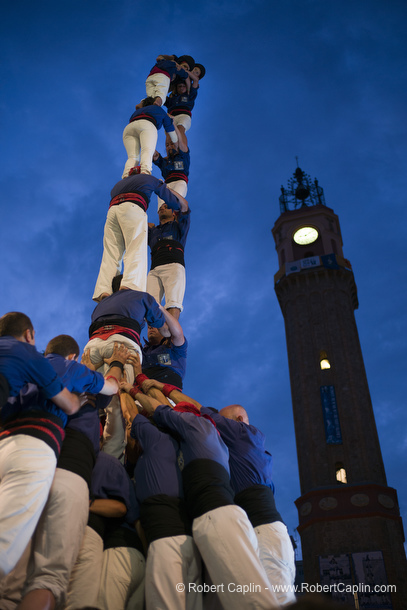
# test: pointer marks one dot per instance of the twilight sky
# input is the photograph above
(322, 80)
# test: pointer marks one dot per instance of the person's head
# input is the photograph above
(199, 71)
(63, 345)
(165, 214)
(18, 325)
(187, 62)
(171, 148)
(148, 101)
(181, 87)
(236, 412)
(116, 281)
(154, 337)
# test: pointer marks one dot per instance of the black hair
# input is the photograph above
(63, 345)
(14, 324)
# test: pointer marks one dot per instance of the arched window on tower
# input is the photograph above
(282, 256)
(340, 474)
(323, 361)
(334, 248)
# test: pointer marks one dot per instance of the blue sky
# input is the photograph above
(321, 80)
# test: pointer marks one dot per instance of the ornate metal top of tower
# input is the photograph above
(301, 192)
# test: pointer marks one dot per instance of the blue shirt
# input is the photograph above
(169, 66)
(156, 470)
(78, 378)
(173, 357)
(182, 101)
(199, 439)
(174, 229)
(157, 113)
(132, 304)
(179, 163)
(250, 464)
(146, 185)
(31, 378)
(110, 480)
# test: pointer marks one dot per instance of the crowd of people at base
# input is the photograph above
(118, 491)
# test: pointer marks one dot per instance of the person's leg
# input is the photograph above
(58, 536)
(132, 145)
(165, 568)
(84, 583)
(154, 285)
(148, 141)
(113, 248)
(172, 276)
(122, 575)
(12, 584)
(27, 467)
(133, 223)
(277, 557)
(157, 85)
(228, 546)
(183, 122)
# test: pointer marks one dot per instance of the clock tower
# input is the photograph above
(349, 521)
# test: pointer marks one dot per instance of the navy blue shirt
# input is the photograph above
(110, 480)
(199, 439)
(31, 379)
(174, 229)
(132, 304)
(159, 116)
(250, 464)
(145, 185)
(166, 357)
(182, 101)
(78, 378)
(156, 470)
(169, 66)
(172, 167)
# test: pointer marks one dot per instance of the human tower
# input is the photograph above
(168, 504)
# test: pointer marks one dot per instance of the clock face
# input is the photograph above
(305, 235)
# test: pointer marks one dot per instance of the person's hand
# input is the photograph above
(125, 386)
(151, 383)
(87, 399)
(120, 353)
(88, 362)
(134, 360)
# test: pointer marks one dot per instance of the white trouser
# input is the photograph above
(27, 467)
(277, 557)
(167, 279)
(179, 186)
(114, 433)
(125, 234)
(140, 141)
(157, 85)
(122, 582)
(173, 561)
(228, 546)
(59, 535)
(12, 584)
(85, 577)
(182, 119)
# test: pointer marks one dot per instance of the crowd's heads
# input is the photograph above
(236, 412)
(187, 62)
(199, 71)
(116, 281)
(63, 345)
(16, 324)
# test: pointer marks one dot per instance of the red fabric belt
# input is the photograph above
(111, 329)
(134, 197)
(176, 176)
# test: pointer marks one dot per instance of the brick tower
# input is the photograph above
(349, 521)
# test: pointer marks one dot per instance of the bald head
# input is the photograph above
(236, 412)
